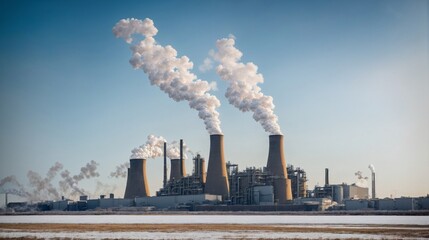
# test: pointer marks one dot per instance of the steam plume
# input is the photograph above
(71, 182)
(243, 91)
(173, 150)
(121, 171)
(151, 149)
(17, 189)
(170, 73)
(372, 168)
(42, 187)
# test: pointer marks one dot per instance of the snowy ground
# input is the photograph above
(201, 235)
(218, 219)
(316, 227)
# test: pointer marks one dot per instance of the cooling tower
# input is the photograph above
(217, 178)
(176, 170)
(276, 165)
(137, 185)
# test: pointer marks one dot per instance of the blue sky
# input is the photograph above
(349, 80)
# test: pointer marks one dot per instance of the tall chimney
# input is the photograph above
(137, 184)
(276, 165)
(175, 169)
(182, 161)
(373, 185)
(217, 179)
(165, 164)
(326, 176)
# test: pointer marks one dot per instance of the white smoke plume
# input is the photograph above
(361, 180)
(169, 72)
(154, 147)
(69, 184)
(121, 171)
(151, 149)
(243, 91)
(14, 187)
(173, 150)
(42, 188)
(372, 168)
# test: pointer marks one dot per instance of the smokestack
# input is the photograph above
(137, 184)
(182, 161)
(373, 185)
(217, 179)
(175, 169)
(276, 165)
(165, 164)
(372, 168)
(326, 176)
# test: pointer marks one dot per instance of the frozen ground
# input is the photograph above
(201, 235)
(218, 219)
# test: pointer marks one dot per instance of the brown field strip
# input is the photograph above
(396, 230)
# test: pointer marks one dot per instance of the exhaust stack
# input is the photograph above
(165, 165)
(137, 184)
(276, 165)
(217, 179)
(326, 176)
(373, 185)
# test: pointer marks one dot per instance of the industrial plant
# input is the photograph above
(225, 187)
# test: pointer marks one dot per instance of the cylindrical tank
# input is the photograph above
(137, 184)
(217, 179)
(338, 193)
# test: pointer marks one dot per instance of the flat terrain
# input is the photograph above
(246, 231)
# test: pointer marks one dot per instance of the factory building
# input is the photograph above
(339, 192)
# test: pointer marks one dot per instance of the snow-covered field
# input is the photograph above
(285, 227)
(201, 235)
(218, 219)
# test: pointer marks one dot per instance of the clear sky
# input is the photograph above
(349, 79)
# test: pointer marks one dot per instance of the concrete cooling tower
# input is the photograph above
(177, 169)
(276, 165)
(137, 184)
(217, 178)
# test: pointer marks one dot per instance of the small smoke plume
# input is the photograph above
(151, 149)
(121, 171)
(102, 188)
(243, 91)
(173, 150)
(42, 188)
(10, 185)
(169, 72)
(372, 168)
(154, 147)
(69, 184)
(361, 180)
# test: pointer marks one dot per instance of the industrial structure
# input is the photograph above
(339, 192)
(224, 187)
(274, 184)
